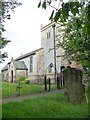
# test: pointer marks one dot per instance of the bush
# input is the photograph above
(27, 80)
(21, 78)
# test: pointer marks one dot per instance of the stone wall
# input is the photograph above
(21, 73)
(40, 59)
(4, 76)
(47, 44)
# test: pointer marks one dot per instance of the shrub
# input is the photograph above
(27, 80)
(21, 78)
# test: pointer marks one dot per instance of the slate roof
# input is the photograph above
(28, 54)
(20, 65)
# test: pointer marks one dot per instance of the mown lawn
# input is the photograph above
(9, 89)
(53, 106)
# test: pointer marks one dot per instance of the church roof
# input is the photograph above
(19, 65)
(28, 54)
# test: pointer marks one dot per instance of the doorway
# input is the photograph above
(11, 75)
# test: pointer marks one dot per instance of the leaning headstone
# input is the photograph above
(74, 89)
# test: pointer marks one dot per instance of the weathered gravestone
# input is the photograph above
(74, 89)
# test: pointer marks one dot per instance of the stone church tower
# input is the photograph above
(47, 43)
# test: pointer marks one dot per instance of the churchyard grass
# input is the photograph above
(53, 106)
(9, 89)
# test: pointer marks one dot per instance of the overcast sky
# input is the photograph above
(24, 29)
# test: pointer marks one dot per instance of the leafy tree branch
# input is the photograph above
(5, 8)
(74, 17)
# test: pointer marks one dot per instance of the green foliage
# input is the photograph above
(27, 80)
(76, 39)
(39, 4)
(21, 78)
(9, 89)
(51, 15)
(24, 79)
(3, 43)
(5, 8)
(53, 106)
(75, 19)
(44, 5)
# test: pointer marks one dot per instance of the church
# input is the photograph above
(46, 60)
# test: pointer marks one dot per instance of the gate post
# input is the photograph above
(49, 83)
(45, 82)
(58, 82)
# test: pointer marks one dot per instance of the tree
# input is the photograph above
(74, 16)
(5, 8)
(76, 39)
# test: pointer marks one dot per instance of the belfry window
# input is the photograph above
(48, 35)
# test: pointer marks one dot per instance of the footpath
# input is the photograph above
(24, 97)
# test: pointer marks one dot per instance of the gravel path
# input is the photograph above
(24, 97)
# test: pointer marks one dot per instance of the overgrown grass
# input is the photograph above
(53, 106)
(9, 89)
